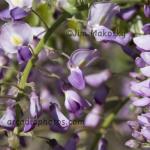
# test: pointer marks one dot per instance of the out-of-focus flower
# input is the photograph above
(132, 144)
(128, 13)
(142, 42)
(15, 35)
(101, 33)
(71, 144)
(18, 9)
(74, 103)
(97, 79)
(147, 11)
(93, 118)
(80, 58)
(8, 120)
(30, 124)
(46, 99)
(61, 123)
(35, 106)
(101, 94)
(146, 28)
(141, 88)
(102, 145)
(101, 14)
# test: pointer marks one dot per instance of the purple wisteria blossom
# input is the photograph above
(141, 89)
(14, 35)
(74, 103)
(128, 13)
(78, 60)
(8, 120)
(101, 13)
(18, 9)
(147, 10)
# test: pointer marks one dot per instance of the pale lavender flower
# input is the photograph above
(14, 35)
(132, 144)
(93, 118)
(101, 14)
(99, 78)
(146, 71)
(101, 33)
(18, 9)
(74, 103)
(142, 42)
(78, 59)
(146, 57)
(35, 106)
(147, 11)
(29, 125)
(128, 13)
(46, 99)
(8, 120)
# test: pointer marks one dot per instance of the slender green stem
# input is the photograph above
(45, 24)
(107, 123)
(39, 47)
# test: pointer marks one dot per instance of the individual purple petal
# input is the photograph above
(26, 4)
(5, 14)
(102, 33)
(147, 11)
(93, 118)
(145, 131)
(18, 13)
(35, 106)
(143, 120)
(97, 79)
(61, 123)
(140, 62)
(71, 144)
(128, 13)
(146, 28)
(142, 88)
(24, 53)
(141, 102)
(146, 57)
(76, 78)
(142, 42)
(146, 71)
(46, 99)
(8, 120)
(74, 103)
(82, 57)
(14, 35)
(134, 125)
(132, 144)
(101, 94)
(102, 145)
(101, 13)
(29, 125)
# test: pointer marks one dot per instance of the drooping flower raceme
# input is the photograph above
(141, 89)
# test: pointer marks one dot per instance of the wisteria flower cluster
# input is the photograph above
(72, 92)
